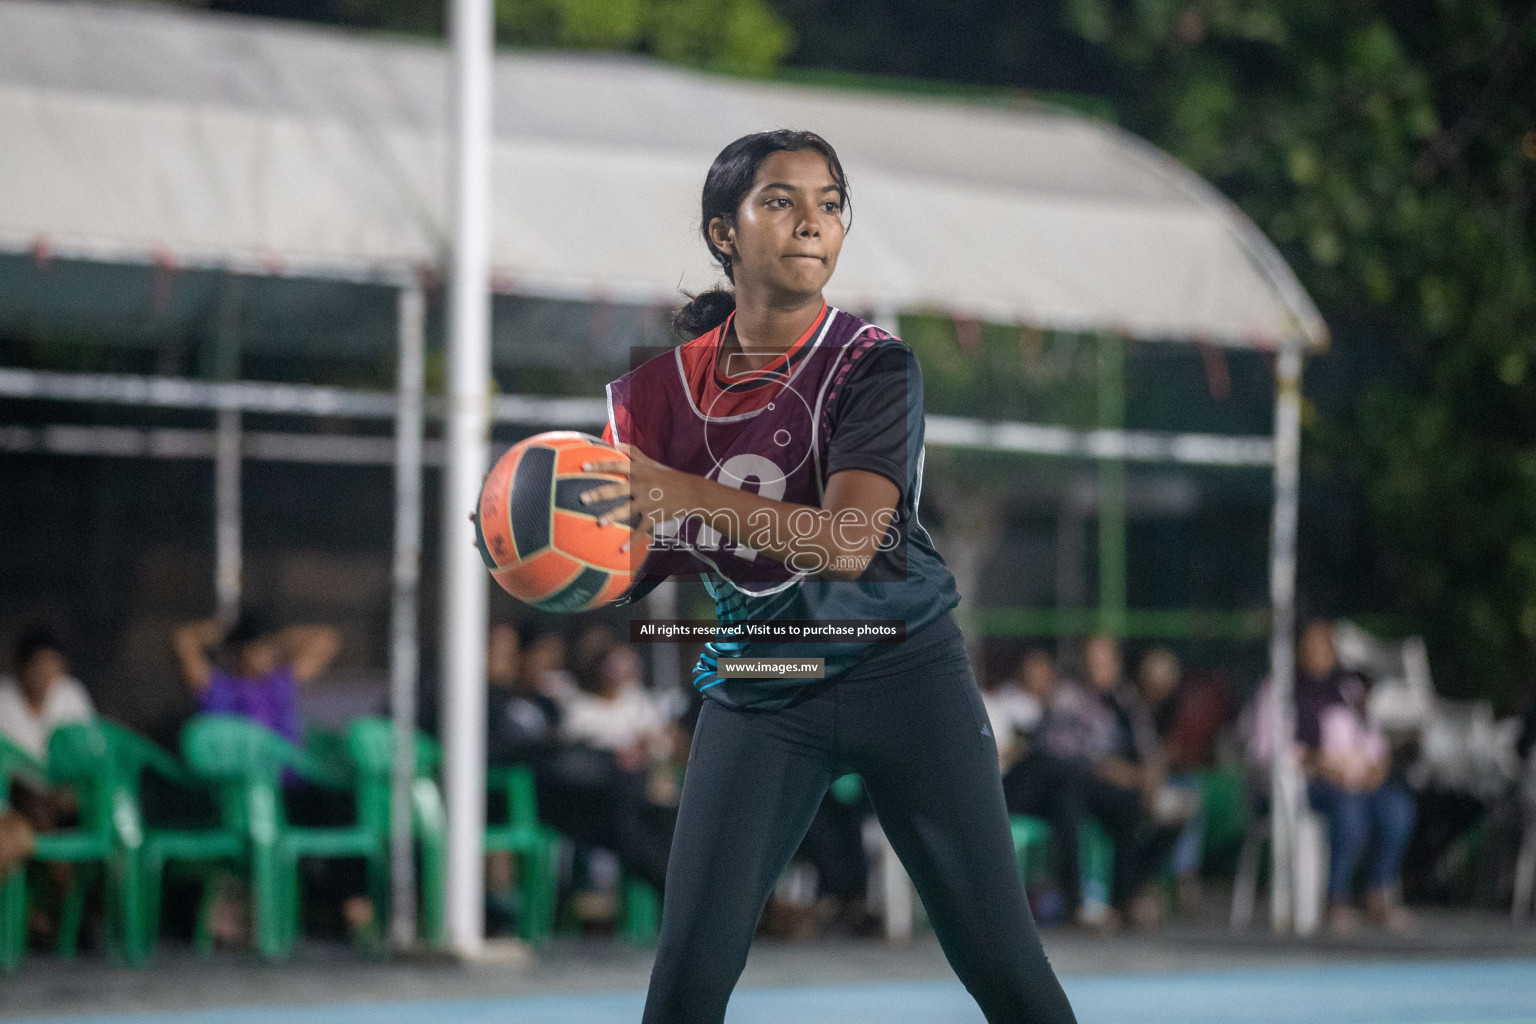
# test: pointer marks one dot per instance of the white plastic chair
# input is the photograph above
(1525, 863)
(1310, 874)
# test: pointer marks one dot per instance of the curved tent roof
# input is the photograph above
(137, 134)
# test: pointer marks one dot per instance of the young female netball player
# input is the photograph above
(780, 455)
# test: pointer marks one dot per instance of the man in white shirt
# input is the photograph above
(1013, 712)
(41, 696)
(614, 711)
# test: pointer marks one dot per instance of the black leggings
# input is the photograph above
(911, 726)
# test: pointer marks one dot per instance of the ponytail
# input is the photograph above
(703, 312)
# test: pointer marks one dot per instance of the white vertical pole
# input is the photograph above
(666, 665)
(1285, 793)
(404, 658)
(897, 888)
(227, 566)
(226, 503)
(463, 630)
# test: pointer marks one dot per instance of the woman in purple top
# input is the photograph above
(257, 670)
(253, 670)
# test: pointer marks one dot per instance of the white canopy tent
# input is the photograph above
(135, 133)
(146, 135)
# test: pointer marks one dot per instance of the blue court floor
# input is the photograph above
(1484, 992)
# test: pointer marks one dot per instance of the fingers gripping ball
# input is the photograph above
(539, 541)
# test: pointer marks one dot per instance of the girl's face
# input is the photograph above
(621, 670)
(1102, 659)
(502, 655)
(1317, 655)
(40, 671)
(788, 230)
(259, 657)
(1039, 675)
(547, 653)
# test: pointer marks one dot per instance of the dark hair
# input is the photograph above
(589, 670)
(729, 180)
(536, 627)
(248, 628)
(1305, 623)
(33, 641)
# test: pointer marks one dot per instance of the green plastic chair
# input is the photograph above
(532, 842)
(1096, 854)
(639, 911)
(132, 755)
(638, 915)
(432, 841)
(1031, 841)
(326, 744)
(1224, 802)
(13, 907)
(245, 762)
(204, 849)
(103, 763)
(370, 744)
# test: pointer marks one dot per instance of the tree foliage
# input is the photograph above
(745, 36)
(742, 36)
(1389, 150)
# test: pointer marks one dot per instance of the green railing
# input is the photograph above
(1137, 624)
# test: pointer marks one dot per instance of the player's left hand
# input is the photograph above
(654, 491)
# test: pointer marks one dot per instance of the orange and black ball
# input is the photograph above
(539, 541)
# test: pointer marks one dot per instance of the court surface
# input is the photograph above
(1483, 992)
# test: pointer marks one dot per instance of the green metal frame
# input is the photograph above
(1136, 624)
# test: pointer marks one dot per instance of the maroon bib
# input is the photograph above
(765, 430)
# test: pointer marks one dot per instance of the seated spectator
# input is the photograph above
(522, 721)
(1014, 705)
(15, 841)
(41, 696)
(1346, 762)
(614, 711)
(591, 780)
(257, 668)
(1037, 782)
(1188, 711)
(1107, 729)
(254, 670)
(542, 666)
(594, 639)
(835, 845)
(1187, 715)
(521, 724)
